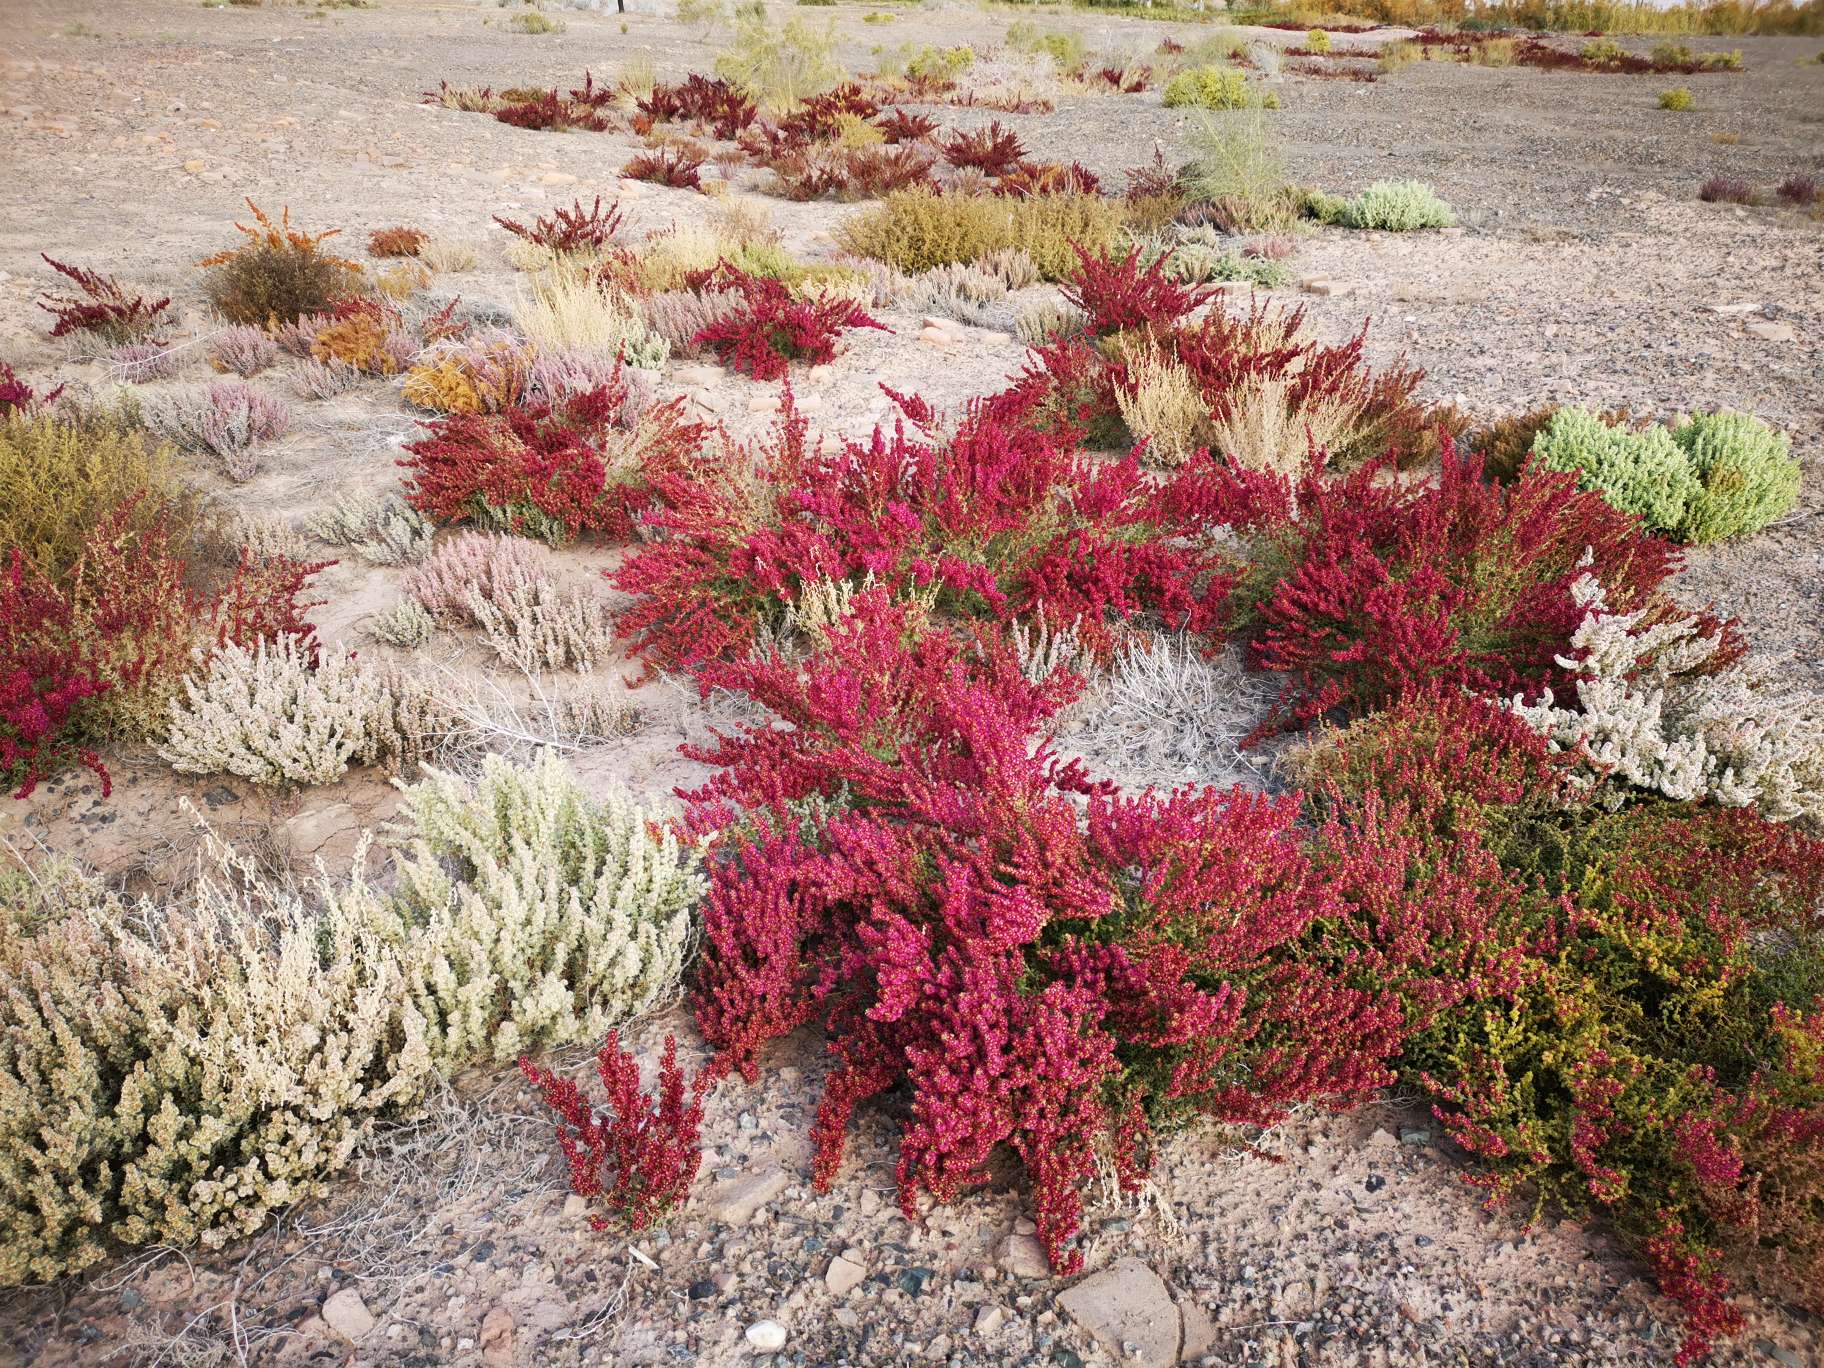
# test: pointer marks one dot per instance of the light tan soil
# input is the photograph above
(1585, 270)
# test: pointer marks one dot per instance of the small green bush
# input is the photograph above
(916, 230)
(1396, 207)
(1710, 478)
(1237, 169)
(1747, 474)
(779, 65)
(1603, 50)
(1639, 471)
(1214, 87)
(1678, 98)
(534, 23)
(1066, 49)
(1317, 41)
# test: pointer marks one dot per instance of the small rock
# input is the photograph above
(766, 1337)
(1327, 288)
(1414, 1135)
(557, 178)
(194, 165)
(989, 1319)
(575, 1206)
(1129, 1311)
(1769, 331)
(497, 1338)
(843, 1275)
(1777, 1354)
(870, 1201)
(701, 1290)
(763, 403)
(936, 337)
(220, 796)
(913, 1281)
(1375, 1182)
(1023, 1256)
(1728, 309)
(348, 1316)
(735, 1202)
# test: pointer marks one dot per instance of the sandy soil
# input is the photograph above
(1585, 270)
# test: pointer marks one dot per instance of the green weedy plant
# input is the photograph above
(541, 916)
(1711, 477)
(170, 1074)
(1396, 207)
(1214, 87)
(1638, 471)
(1317, 41)
(1678, 99)
(779, 65)
(1746, 473)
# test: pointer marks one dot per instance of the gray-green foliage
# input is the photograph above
(1638, 471)
(1709, 478)
(1390, 206)
(1201, 256)
(1747, 475)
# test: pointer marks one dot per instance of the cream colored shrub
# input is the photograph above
(1163, 406)
(541, 916)
(539, 626)
(269, 715)
(565, 310)
(1643, 719)
(1265, 430)
(174, 1074)
(449, 256)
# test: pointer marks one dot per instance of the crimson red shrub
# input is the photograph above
(994, 521)
(1378, 588)
(106, 307)
(709, 101)
(551, 470)
(918, 883)
(641, 1158)
(44, 677)
(770, 329)
(1121, 294)
(677, 165)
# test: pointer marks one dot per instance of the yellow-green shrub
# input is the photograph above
(1214, 87)
(917, 230)
(59, 476)
(1678, 98)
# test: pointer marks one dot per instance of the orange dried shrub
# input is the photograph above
(399, 241)
(484, 375)
(278, 274)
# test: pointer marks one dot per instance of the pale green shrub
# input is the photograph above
(173, 1074)
(1396, 207)
(384, 529)
(1317, 41)
(780, 64)
(543, 917)
(1712, 477)
(271, 715)
(1746, 471)
(1237, 167)
(1637, 471)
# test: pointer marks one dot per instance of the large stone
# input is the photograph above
(497, 1335)
(1129, 1311)
(1023, 1256)
(735, 1201)
(348, 1316)
(844, 1274)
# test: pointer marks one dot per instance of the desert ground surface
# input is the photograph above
(1584, 269)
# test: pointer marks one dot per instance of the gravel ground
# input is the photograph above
(1584, 270)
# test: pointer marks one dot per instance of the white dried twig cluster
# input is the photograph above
(1646, 718)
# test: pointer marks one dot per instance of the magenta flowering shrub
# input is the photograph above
(909, 872)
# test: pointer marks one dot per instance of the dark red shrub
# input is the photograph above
(1726, 190)
(820, 117)
(712, 102)
(883, 170)
(1797, 190)
(1377, 588)
(639, 1159)
(575, 229)
(771, 329)
(106, 307)
(903, 126)
(1119, 295)
(18, 397)
(554, 471)
(809, 175)
(678, 165)
(994, 151)
(1048, 178)
(551, 112)
(1031, 979)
